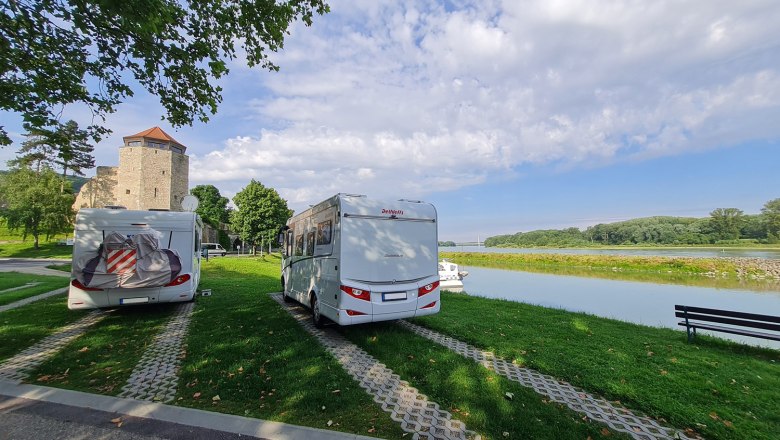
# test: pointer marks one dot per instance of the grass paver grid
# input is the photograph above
(17, 368)
(156, 375)
(616, 417)
(406, 405)
(32, 299)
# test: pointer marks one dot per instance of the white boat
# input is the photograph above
(450, 278)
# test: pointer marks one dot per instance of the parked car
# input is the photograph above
(213, 249)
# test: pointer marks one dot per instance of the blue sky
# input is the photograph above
(508, 116)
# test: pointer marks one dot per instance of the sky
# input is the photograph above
(508, 116)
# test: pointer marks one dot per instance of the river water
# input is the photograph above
(642, 303)
(663, 252)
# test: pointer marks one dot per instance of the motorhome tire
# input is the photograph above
(316, 316)
(286, 298)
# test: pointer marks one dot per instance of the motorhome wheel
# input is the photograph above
(315, 312)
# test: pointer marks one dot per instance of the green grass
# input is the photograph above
(251, 353)
(718, 388)
(101, 360)
(24, 326)
(66, 267)
(473, 394)
(12, 245)
(14, 279)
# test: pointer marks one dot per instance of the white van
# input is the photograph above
(213, 249)
(123, 257)
(353, 260)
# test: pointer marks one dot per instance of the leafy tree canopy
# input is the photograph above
(726, 222)
(212, 207)
(771, 214)
(58, 52)
(67, 148)
(35, 203)
(261, 213)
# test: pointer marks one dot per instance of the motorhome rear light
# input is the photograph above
(181, 279)
(77, 284)
(429, 306)
(428, 288)
(365, 295)
(354, 313)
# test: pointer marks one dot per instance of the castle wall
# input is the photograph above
(99, 191)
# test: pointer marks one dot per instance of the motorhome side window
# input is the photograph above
(289, 242)
(310, 243)
(323, 232)
(299, 245)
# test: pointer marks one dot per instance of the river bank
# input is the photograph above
(735, 268)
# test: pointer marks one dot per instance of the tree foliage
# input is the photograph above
(34, 203)
(59, 52)
(261, 213)
(67, 148)
(771, 214)
(212, 206)
(725, 225)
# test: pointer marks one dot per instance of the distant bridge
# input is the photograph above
(471, 243)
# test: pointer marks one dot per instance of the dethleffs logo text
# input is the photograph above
(393, 211)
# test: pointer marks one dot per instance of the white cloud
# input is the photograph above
(408, 98)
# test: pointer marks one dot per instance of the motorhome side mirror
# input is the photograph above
(280, 239)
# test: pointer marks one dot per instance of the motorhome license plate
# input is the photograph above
(134, 300)
(393, 296)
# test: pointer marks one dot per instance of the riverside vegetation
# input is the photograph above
(250, 355)
(752, 273)
(724, 227)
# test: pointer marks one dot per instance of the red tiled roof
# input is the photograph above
(154, 133)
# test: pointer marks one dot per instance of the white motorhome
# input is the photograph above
(353, 260)
(123, 257)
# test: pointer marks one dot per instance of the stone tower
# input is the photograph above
(153, 171)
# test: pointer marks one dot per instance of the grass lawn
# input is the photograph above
(718, 388)
(24, 326)
(247, 356)
(101, 360)
(14, 279)
(245, 349)
(12, 245)
(473, 394)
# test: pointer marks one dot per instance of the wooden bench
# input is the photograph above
(737, 323)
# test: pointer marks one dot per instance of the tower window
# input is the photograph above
(127, 191)
(155, 192)
(163, 172)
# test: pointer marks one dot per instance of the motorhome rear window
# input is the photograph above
(324, 230)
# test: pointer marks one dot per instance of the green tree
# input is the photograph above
(74, 152)
(68, 148)
(55, 53)
(771, 214)
(726, 223)
(33, 203)
(261, 213)
(212, 206)
(36, 152)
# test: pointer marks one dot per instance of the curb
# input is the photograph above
(167, 413)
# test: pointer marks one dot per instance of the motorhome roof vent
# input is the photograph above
(115, 207)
